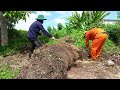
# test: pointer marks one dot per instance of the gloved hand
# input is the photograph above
(53, 38)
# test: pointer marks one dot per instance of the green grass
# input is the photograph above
(7, 73)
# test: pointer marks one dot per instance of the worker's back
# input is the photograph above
(93, 33)
(34, 30)
(99, 31)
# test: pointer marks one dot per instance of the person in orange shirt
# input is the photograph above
(98, 37)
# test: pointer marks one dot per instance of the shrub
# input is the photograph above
(113, 32)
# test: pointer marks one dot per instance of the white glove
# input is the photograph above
(53, 38)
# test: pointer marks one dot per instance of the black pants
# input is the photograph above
(35, 43)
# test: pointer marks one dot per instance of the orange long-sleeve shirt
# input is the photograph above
(92, 34)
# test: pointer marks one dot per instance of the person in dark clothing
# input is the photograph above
(34, 31)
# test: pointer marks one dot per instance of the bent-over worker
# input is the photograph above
(98, 37)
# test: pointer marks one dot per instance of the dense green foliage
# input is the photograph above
(49, 29)
(87, 20)
(17, 39)
(114, 32)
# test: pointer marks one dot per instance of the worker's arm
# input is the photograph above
(44, 31)
(87, 39)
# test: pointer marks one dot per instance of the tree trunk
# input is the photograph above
(4, 32)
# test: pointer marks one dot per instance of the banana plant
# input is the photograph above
(86, 20)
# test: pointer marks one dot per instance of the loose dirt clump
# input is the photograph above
(51, 62)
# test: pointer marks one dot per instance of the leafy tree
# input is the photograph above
(7, 19)
(59, 26)
(49, 29)
(14, 16)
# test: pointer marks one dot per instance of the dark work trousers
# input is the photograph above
(35, 43)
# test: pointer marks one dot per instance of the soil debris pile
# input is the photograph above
(51, 62)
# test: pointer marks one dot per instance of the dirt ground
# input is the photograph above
(94, 70)
(84, 69)
(97, 69)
